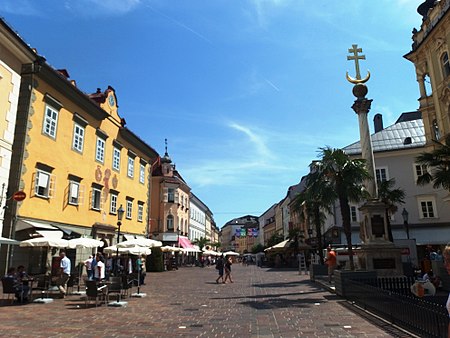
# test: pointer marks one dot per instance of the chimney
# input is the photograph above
(378, 122)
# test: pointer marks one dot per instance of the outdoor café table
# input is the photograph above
(29, 282)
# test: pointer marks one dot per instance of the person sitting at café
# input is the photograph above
(21, 291)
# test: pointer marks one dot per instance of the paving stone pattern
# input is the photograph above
(260, 303)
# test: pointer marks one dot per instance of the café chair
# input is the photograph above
(93, 291)
(9, 289)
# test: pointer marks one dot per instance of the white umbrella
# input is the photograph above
(168, 248)
(230, 253)
(135, 250)
(84, 242)
(45, 241)
(10, 241)
(145, 242)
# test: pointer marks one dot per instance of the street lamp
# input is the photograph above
(120, 212)
(405, 222)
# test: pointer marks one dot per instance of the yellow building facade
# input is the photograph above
(76, 162)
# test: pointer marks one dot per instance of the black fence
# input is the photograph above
(391, 299)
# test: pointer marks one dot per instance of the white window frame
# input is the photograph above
(422, 167)
(427, 202)
(140, 214)
(354, 212)
(129, 209)
(50, 124)
(113, 204)
(96, 203)
(78, 138)
(445, 64)
(74, 193)
(130, 167)
(116, 159)
(100, 146)
(142, 173)
(44, 184)
(378, 172)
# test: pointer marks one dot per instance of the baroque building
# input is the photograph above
(76, 162)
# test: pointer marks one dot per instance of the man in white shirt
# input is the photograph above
(65, 266)
(99, 272)
(88, 265)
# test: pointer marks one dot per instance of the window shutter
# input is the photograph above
(52, 186)
(35, 186)
(176, 197)
(103, 198)
(80, 194)
(165, 195)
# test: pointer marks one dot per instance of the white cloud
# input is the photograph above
(256, 140)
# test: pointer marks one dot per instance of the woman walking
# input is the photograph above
(228, 264)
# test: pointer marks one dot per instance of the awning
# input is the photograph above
(185, 243)
(23, 224)
(52, 234)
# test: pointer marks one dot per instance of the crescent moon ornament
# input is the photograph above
(356, 81)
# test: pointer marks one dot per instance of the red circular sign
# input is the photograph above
(19, 196)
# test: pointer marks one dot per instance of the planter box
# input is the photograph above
(317, 270)
(340, 276)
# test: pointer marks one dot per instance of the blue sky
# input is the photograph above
(245, 91)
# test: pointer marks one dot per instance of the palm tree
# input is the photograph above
(312, 205)
(439, 161)
(390, 197)
(346, 177)
(201, 242)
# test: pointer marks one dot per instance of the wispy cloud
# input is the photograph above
(256, 140)
(180, 24)
(264, 9)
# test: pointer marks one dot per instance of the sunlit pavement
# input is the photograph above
(188, 303)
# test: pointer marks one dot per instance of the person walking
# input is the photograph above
(228, 264)
(65, 266)
(331, 261)
(219, 267)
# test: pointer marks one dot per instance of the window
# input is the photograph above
(170, 195)
(140, 214)
(100, 150)
(113, 204)
(419, 170)
(129, 209)
(445, 65)
(50, 121)
(436, 132)
(142, 173)
(354, 213)
(44, 184)
(427, 207)
(116, 159)
(96, 203)
(74, 193)
(78, 138)
(130, 172)
(381, 174)
(169, 222)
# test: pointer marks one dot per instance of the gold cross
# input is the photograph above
(355, 50)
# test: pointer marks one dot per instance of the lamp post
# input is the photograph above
(405, 222)
(120, 212)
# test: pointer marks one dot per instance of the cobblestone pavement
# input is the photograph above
(188, 303)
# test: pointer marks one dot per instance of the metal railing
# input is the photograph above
(396, 305)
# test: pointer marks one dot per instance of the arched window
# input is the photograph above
(437, 134)
(445, 64)
(169, 222)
